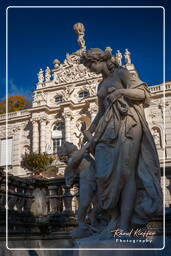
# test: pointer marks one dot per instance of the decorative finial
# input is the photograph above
(127, 56)
(79, 30)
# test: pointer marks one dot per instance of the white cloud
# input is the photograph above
(13, 90)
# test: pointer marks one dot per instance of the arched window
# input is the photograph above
(83, 94)
(58, 136)
(59, 126)
(58, 99)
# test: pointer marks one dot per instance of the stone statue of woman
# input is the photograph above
(127, 167)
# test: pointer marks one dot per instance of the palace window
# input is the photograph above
(6, 152)
(58, 136)
(56, 144)
(58, 99)
(83, 94)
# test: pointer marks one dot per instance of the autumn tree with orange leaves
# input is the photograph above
(15, 103)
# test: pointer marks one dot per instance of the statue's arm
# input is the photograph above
(128, 82)
(134, 94)
(98, 116)
(77, 157)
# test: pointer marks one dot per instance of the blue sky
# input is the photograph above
(38, 36)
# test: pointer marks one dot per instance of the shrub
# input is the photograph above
(36, 163)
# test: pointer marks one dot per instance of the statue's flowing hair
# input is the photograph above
(98, 55)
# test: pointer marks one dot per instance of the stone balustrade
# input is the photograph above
(39, 206)
(160, 87)
(168, 86)
(35, 203)
(155, 88)
(15, 114)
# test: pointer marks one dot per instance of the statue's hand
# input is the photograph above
(115, 95)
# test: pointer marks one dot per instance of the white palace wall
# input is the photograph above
(65, 96)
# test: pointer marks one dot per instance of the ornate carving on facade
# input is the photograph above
(68, 90)
(27, 149)
(16, 129)
(92, 87)
(93, 109)
(67, 114)
(85, 112)
(43, 118)
(2, 133)
(153, 115)
(162, 104)
(39, 98)
(78, 133)
(72, 71)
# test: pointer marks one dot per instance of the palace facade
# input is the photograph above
(65, 96)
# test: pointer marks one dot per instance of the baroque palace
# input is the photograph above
(65, 96)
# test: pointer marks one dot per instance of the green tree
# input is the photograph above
(15, 103)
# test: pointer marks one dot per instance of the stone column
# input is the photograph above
(35, 136)
(16, 146)
(42, 135)
(53, 200)
(67, 117)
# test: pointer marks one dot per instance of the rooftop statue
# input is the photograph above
(127, 56)
(119, 57)
(79, 30)
(127, 170)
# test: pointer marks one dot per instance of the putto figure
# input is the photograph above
(127, 167)
(79, 162)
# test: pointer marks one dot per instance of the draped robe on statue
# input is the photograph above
(124, 145)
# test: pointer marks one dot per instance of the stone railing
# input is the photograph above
(34, 204)
(15, 114)
(37, 205)
(168, 86)
(159, 87)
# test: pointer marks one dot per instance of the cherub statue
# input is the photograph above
(79, 162)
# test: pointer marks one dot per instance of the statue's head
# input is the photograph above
(96, 60)
(66, 150)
